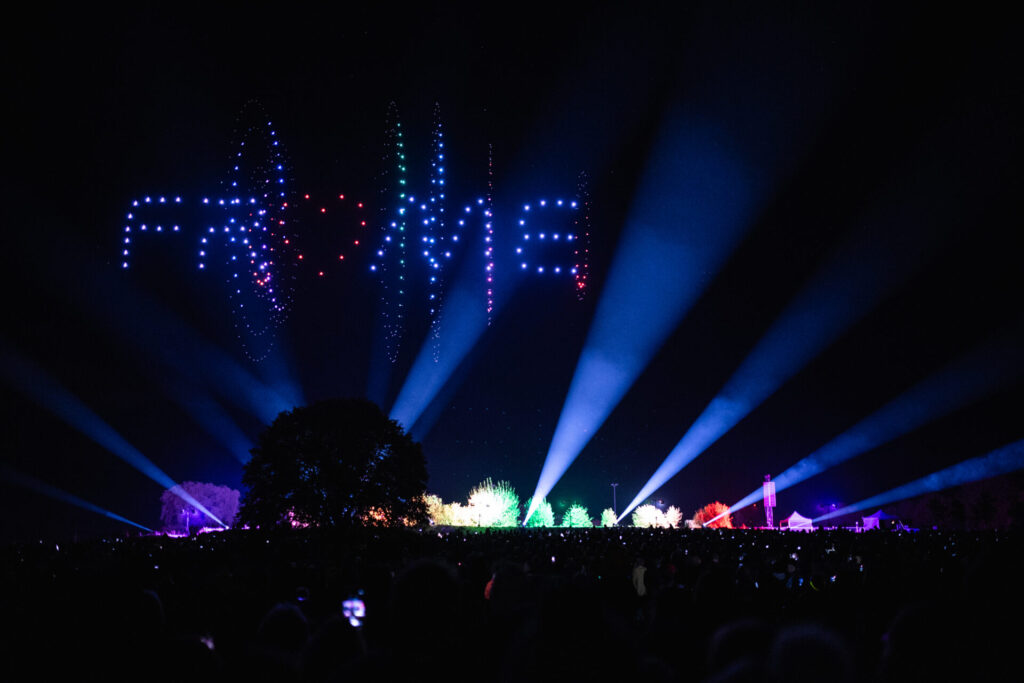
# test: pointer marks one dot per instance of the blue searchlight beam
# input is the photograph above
(211, 416)
(45, 391)
(715, 164)
(697, 200)
(868, 264)
(33, 484)
(464, 321)
(956, 386)
(155, 333)
(1000, 461)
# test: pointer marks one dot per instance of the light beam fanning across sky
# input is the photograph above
(35, 383)
(1000, 461)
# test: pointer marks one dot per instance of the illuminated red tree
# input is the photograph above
(711, 511)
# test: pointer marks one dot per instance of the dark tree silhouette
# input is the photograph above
(336, 462)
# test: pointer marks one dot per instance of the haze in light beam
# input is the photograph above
(35, 383)
(1006, 459)
(160, 338)
(959, 384)
(278, 372)
(696, 201)
(157, 334)
(211, 416)
(881, 255)
(736, 134)
(464, 321)
(33, 484)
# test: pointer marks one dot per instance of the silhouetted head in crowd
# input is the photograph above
(144, 613)
(743, 640)
(810, 653)
(283, 629)
(922, 643)
(336, 644)
(426, 608)
(575, 640)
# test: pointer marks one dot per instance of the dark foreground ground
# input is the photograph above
(559, 605)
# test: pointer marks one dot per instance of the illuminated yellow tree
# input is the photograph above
(494, 504)
(646, 517)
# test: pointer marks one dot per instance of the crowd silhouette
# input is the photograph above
(513, 605)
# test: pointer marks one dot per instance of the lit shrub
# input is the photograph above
(646, 517)
(577, 517)
(494, 504)
(543, 516)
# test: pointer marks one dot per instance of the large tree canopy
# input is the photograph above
(335, 462)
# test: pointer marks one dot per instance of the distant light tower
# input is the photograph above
(769, 500)
(615, 506)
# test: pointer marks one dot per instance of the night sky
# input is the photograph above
(897, 132)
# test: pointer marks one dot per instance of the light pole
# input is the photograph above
(615, 506)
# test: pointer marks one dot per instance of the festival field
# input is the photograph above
(511, 605)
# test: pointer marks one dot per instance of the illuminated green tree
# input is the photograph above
(578, 517)
(542, 516)
(608, 517)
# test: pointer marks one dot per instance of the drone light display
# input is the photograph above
(439, 240)
(247, 228)
(330, 230)
(390, 264)
(254, 234)
(260, 235)
(578, 239)
(434, 365)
